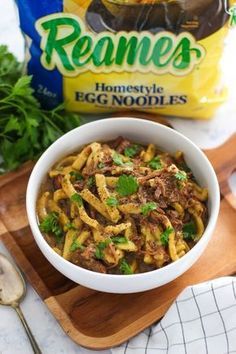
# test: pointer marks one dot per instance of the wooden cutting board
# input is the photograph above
(99, 320)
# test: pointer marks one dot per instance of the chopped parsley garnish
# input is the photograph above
(126, 185)
(131, 150)
(119, 239)
(100, 248)
(155, 163)
(91, 181)
(75, 246)
(98, 253)
(118, 160)
(189, 231)
(112, 201)
(146, 208)
(77, 176)
(125, 267)
(101, 165)
(76, 198)
(70, 226)
(51, 225)
(181, 176)
(165, 236)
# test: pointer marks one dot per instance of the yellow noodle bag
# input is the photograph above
(100, 56)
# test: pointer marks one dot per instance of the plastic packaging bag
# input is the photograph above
(101, 56)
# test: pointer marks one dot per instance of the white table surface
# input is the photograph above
(48, 333)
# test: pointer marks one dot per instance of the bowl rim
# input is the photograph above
(38, 236)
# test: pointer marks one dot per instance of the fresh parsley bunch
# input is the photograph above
(26, 130)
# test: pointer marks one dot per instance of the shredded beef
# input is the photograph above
(57, 182)
(175, 220)
(86, 260)
(122, 146)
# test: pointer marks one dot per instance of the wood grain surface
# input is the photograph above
(99, 320)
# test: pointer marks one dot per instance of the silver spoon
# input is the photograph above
(12, 292)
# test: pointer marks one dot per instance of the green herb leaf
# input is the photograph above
(181, 176)
(51, 225)
(70, 226)
(165, 236)
(26, 129)
(100, 248)
(146, 208)
(22, 86)
(75, 246)
(117, 159)
(125, 267)
(98, 253)
(76, 198)
(155, 163)
(91, 181)
(101, 165)
(12, 125)
(10, 68)
(112, 201)
(189, 231)
(77, 176)
(119, 239)
(126, 185)
(131, 150)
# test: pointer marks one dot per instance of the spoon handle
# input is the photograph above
(30, 335)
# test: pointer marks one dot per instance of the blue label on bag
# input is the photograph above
(47, 83)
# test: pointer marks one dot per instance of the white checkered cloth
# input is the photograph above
(202, 320)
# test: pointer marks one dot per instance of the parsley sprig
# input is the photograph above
(101, 246)
(181, 176)
(51, 225)
(119, 239)
(155, 163)
(125, 267)
(146, 208)
(189, 231)
(70, 226)
(91, 182)
(132, 150)
(112, 201)
(127, 185)
(26, 129)
(101, 165)
(76, 198)
(76, 176)
(76, 245)
(165, 236)
(118, 160)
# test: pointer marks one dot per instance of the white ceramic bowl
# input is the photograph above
(141, 131)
